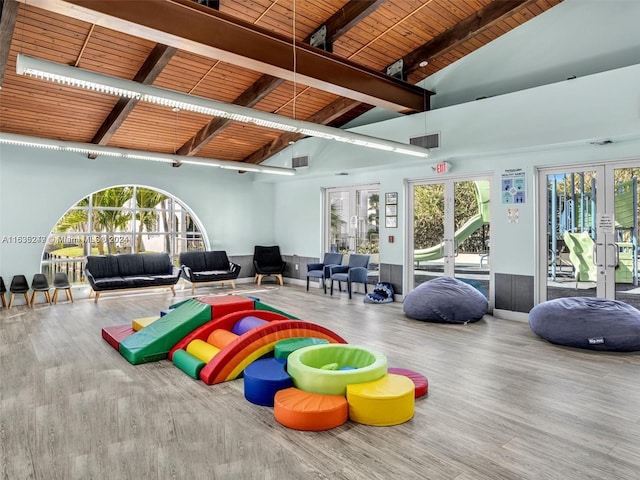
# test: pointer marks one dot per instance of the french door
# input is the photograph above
(352, 219)
(450, 231)
(588, 235)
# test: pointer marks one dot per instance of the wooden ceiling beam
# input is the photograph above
(9, 13)
(149, 71)
(189, 26)
(337, 25)
(249, 98)
(347, 17)
(463, 31)
(471, 26)
(332, 111)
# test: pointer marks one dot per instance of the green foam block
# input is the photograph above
(188, 363)
(156, 340)
(264, 306)
(283, 348)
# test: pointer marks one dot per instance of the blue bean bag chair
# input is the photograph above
(445, 300)
(587, 322)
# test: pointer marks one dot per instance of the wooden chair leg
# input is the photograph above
(55, 296)
(67, 291)
(3, 297)
(233, 284)
(97, 294)
(11, 300)
(173, 290)
(280, 281)
(26, 297)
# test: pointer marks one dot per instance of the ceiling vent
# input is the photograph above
(300, 162)
(431, 141)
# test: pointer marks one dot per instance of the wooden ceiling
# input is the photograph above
(157, 42)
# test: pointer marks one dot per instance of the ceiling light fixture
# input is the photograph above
(90, 148)
(107, 84)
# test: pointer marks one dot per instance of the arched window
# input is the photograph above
(122, 219)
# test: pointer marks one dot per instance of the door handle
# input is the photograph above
(616, 255)
(595, 254)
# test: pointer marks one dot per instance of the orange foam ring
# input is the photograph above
(202, 350)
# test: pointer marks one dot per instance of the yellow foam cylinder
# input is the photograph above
(221, 338)
(140, 323)
(390, 400)
(202, 350)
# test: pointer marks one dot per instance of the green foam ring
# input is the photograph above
(188, 363)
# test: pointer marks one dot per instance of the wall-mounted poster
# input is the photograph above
(514, 186)
(391, 198)
(391, 222)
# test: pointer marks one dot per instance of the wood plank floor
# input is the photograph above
(502, 403)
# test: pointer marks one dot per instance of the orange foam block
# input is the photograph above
(308, 411)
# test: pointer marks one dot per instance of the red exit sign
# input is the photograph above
(442, 167)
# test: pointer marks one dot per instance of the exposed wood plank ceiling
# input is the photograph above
(371, 34)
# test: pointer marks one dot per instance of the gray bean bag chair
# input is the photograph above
(586, 322)
(445, 300)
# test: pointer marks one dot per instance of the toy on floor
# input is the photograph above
(312, 378)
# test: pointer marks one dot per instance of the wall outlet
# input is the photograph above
(297, 267)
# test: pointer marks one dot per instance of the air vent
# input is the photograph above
(431, 140)
(300, 162)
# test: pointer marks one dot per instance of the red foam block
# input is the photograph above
(419, 380)
(114, 335)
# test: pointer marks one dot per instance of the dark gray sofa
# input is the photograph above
(208, 267)
(130, 271)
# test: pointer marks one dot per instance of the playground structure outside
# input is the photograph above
(574, 227)
(472, 225)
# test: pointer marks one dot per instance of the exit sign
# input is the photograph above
(442, 167)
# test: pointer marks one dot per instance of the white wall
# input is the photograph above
(574, 38)
(38, 186)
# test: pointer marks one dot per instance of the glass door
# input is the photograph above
(450, 231)
(589, 238)
(353, 219)
(573, 249)
(624, 244)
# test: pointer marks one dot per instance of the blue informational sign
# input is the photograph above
(514, 186)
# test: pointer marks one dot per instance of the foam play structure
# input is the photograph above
(587, 322)
(311, 377)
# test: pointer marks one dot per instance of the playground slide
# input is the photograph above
(464, 232)
(580, 247)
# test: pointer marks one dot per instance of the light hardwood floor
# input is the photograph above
(502, 403)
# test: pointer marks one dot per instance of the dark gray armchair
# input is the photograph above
(355, 271)
(322, 270)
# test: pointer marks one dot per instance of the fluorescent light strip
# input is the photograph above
(74, 147)
(107, 84)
